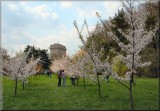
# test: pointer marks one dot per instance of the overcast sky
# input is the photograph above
(42, 23)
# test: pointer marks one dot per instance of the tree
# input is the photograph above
(4, 57)
(45, 58)
(151, 50)
(82, 65)
(138, 38)
(119, 66)
(102, 42)
(152, 8)
(19, 69)
(59, 64)
(33, 52)
(78, 55)
(78, 62)
(72, 70)
(95, 67)
(4, 54)
(39, 53)
(118, 22)
(151, 23)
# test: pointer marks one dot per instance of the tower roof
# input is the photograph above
(57, 46)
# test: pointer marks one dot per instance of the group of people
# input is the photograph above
(62, 78)
(61, 75)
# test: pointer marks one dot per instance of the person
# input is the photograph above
(46, 72)
(73, 78)
(107, 79)
(64, 78)
(49, 73)
(59, 77)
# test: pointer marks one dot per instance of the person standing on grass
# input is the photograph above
(49, 72)
(59, 77)
(73, 79)
(64, 78)
(107, 79)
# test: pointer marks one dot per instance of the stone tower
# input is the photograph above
(57, 50)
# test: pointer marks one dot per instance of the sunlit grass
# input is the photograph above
(42, 93)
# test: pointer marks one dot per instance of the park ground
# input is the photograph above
(42, 93)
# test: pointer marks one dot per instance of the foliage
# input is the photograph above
(152, 17)
(103, 42)
(3, 57)
(119, 22)
(138, 38)
(44, 56)
(97, 69)
(18, 69)
(151, 51)
(77, 56)
(4, 54)
(33, 52)
(39, 53)
(119, 67)
(149, 54)
(150, 22)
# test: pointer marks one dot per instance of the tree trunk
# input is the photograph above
(15, 90)
(23, 84)
(131, 83)
(131, 96)
(158, 48)
(84, 83)
(77, 81)
(99, 86)
(99, 90)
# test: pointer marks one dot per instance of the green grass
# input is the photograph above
(43, 94)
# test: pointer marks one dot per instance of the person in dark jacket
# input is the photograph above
(59, 77)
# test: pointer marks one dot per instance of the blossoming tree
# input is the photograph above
(18, 69)
(138, 38)
(59, 64)
(96, 69)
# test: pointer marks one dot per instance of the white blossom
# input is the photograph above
(137, 36)
(17, 68)
(91, 65)
(59, 64)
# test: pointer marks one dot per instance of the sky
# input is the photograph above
(43, 23)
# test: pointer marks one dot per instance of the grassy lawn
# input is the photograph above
(42, 93)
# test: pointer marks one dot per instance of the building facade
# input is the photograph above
(57, 51)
